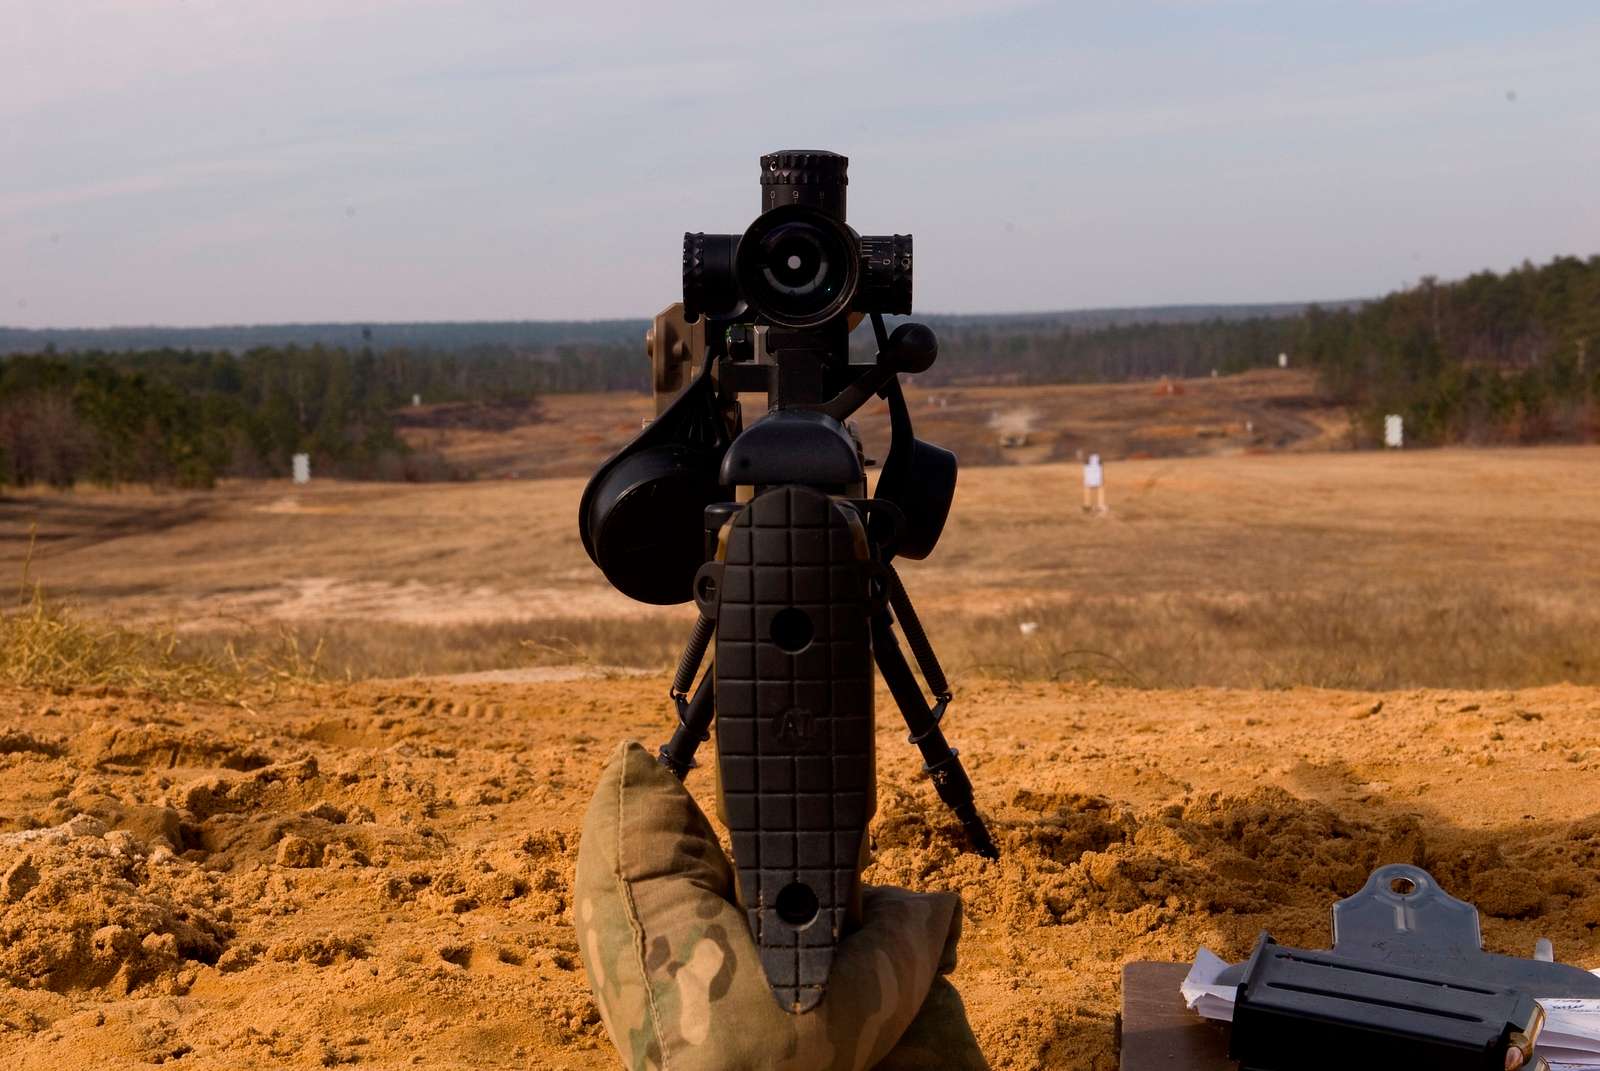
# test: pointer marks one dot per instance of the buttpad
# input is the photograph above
(794, 677)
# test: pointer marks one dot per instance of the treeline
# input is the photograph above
(1511, 357)
(1493, 358)
(185, 418)
(985, 352)
(538, 337)
(523, 336)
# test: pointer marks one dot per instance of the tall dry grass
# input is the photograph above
(350, 649)
(1358, 638)
(46, 643)
(1464, 636)
(1355, 639)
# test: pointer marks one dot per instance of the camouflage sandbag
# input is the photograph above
(678, 979)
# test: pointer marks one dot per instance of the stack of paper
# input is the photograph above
(1571, 1035)
(1570, 1040)
(1202, 993)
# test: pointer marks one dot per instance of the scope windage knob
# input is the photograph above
(885, 274)
(812, 177)
(709, 287)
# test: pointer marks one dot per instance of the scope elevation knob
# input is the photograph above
(812, 177)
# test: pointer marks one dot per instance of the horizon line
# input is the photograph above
(1017, 313)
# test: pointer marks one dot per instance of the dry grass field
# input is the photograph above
(1452, 568)
(296, 777)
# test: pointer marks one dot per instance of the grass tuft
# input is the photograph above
(45, 643)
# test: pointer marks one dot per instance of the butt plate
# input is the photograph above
(794, 695)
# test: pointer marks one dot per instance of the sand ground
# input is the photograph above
(378, 874)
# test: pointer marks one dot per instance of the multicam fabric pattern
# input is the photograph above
(678, 980)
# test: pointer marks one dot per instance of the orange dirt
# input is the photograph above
(378, 874)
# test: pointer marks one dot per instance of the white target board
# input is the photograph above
(1394, 432)
(302, 468)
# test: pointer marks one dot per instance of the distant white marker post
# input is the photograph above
(1094, 485)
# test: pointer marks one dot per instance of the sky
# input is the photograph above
(192, 162)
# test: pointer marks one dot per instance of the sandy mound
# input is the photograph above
(85, 908)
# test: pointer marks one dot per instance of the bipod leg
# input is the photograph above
(939, 759)
(694, 728)
(916, 638)
(694, 713)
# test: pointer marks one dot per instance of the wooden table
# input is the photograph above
(1158, 1032)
